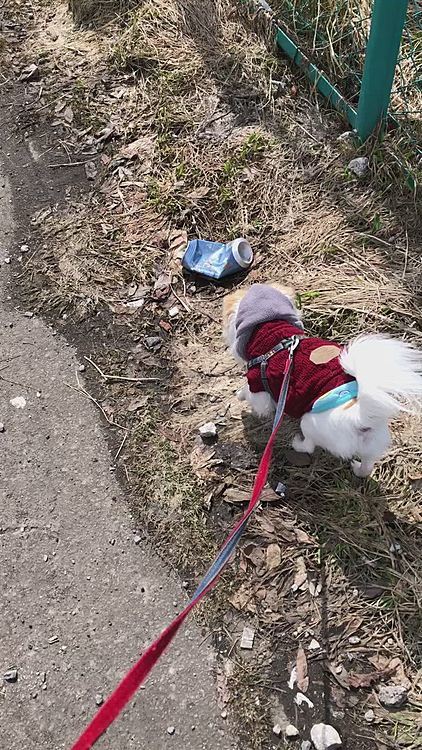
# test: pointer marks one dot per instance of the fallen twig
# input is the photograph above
(98, 405)
(122, 378)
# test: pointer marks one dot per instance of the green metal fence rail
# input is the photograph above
(364, 56)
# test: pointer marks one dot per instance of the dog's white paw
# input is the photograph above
(360, 469)
(302, 445)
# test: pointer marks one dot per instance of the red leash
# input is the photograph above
(136, 676)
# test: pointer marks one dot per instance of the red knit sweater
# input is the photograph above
(308, 380)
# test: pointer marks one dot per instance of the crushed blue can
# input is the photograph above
(217, 259)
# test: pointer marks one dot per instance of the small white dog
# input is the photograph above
(343, 396)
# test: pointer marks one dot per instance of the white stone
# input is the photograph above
(208, 430)
(392, 696)
(277, 730)
(354, 640)
(369, 716)
(300, 698)
(314, 645)
(19, 402)
(291, 731)
(325, 737)
(359, 166)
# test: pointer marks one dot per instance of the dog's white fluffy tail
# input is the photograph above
(388, 372)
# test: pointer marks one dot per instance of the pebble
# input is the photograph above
(208, 430)
(7, 260)
(153, 342)
(354, 640)
(171, 730)
(19, 402)
(2, 428)
(359, 166)
(28, 314)
(325, 737)
(173, 312)
(291, 731)
(223, 714)
(369, 716)
(24, 249)
(277, 730)
(11, 675)
(392, 696)
(99, 700)
(81, 368)
(137, 539)
(314, 645)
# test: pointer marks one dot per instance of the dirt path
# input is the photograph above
(81, 594)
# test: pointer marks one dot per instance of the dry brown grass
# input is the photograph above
(234, 144)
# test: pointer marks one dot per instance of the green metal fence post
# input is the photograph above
(388, 18)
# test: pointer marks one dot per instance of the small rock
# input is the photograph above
(306, 745)
(359, 166)
(7, 260)
(2, 427)
(369, 716)
(153, 343)
(19, 402)
(208, 430)
(53, 639)
(81, 368)
(11, 675)
(354, 640)
(281, 489)
(28, 314)
(277, 730)
(30, 73)
(248, 636)
(314, 645)
(325, 737)
(45, 558)
(24, 249)
(137, 539)
(174, 311)
(223, 714)
(291, 731)
(348, 137)
(99, 700)
(90, 166)
(171, 730)
(392, 696)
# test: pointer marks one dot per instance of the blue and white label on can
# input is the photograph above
(217, 259)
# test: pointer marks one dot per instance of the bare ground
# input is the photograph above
(187, 124)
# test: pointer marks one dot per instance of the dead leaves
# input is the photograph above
(368, 679)
(301, 575)
(273, 556)
(302, 677)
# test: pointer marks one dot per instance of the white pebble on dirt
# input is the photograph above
(369, 716)
(208, 430)
(325, 737)
(314, 645)
(392, 696)
(291, 731)
(19, 402)
(359, 166)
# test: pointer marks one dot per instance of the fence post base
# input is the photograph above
(388, 18)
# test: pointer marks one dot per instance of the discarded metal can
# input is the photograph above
(217, 259)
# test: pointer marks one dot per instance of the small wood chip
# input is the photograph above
(248, 637)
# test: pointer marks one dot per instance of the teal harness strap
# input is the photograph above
(336, 397)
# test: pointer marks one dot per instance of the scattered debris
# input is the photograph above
(208, 430)
(367, 679)
(392, 696)
(314, 645)
(91, 170)
(349, 136)
(28, 314)
(19, 402)
(277, 730)
(137, 539)
(135, 303)
(24, 248)
(7, 260)
(174, 311)
(359, 166)
(171, 730)
(291, 731)
(30, 73)
(293, 678)
(234, 496)
(248, 637)
(281, 489)
(153, 343)
(369, 716)
(2, 427)
(53, 639)
(162, 287)
(354, 640)
(273, 556)
(301, 575)
(11, 675)
(300, 698)
(325, 737)
(302, 670)
(99, 700)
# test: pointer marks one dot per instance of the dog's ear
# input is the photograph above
(230, 303)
